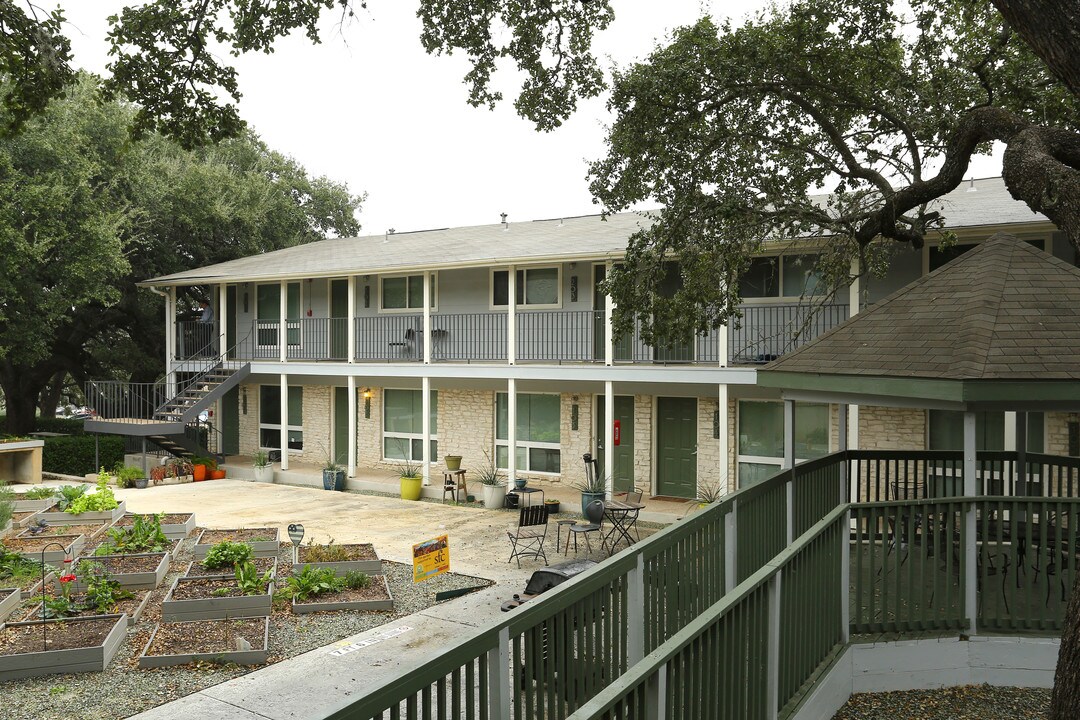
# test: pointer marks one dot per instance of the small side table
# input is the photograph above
(453, 482)
(526, 494)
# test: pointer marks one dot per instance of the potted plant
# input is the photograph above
(411, 479)
(333, 476)
(201, 468)
(552, 506)
(494, 484)
(264, 471)
(453, 462)
(594, 489)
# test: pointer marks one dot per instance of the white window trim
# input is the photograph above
(524, 272)
(278, 322)
(779, 299)
(277, 426)
(407, 437)
(765, 459)
(504, 442)
(409, 310)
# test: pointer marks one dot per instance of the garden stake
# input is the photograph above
(44, 628)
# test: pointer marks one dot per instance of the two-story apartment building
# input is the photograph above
(495, 340)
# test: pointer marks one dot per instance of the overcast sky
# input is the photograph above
(369, 108)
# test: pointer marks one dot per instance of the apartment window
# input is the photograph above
(940, 256)
(405, 292)
(793, 275)
(403, 425)
(945, 431)
(270, 418)
(538, 433)
(761, 437)
(268, 313)
(536, 287)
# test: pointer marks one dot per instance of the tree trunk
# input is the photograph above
(1052, 29)
(21, 407)
(50, 395)
(1065, 701)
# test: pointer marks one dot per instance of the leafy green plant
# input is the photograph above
(310, 581)
(260, 458)
(489, 474)
(227, 554)
(249, 579)
(407, 468)
(100, 501)
(69, 494)
(325, 553)
(126, 475)
(39, 493)
(59, 607)
(597, 484)
(102, 591)
(7, 504)
(356, 580)
(709, 492)
(14, 568)
(143, 535)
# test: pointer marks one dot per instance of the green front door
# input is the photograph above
(339, 319)
(676, 447)
(624, 451)
(230, 421)
(623, 346)
(341, 425)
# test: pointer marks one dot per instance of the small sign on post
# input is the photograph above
(431, 558)
(296, 534)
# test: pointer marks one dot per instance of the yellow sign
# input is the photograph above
(431, 558)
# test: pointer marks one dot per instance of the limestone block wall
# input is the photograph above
(708, 447)
(733, 447)
(1056, 438)
(317, 419)
(249, 421)
(643, 438)
(467, 426)
(369, 430)
(575, 443)
(885, 428)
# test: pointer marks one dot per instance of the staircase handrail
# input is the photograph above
(214, 361)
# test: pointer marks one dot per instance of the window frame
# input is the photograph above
(408, 438)
(780, 297)
(409, 310)
(289, 427)
(766, 459)
(287, 321)
(526, 444)
(524, 277)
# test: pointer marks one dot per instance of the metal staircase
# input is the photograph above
(167, 412)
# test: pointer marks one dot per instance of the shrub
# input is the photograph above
(69, 426)
(75, 455)
(7, 504)
(227, 554)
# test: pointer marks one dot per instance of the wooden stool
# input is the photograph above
(454, 481)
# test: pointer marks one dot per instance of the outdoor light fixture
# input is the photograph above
(243, 399)
(573, 287)
(716, 424)
(574, 416)
(367, 296)
(367, 403)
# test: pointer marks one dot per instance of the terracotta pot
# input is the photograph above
(199, 472)
(217, 474)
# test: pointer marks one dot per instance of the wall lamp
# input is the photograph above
(366, 392)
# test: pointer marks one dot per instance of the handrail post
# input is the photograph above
(731, 539)
(845, 578)
(656, 694)
(499, 677)
(772, 653)
(635, 612)
(971, 607)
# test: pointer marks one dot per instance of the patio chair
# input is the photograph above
(633, 495)
(527, 538)
(594, 522)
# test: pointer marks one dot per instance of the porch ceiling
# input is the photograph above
(996, 327)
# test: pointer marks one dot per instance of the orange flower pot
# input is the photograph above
(217, 474)
(199, 472)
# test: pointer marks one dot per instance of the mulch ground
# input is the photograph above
(206, 636)
(337, 553)
(213, 537)
(59, 636)
(204, 589)
(970, 702)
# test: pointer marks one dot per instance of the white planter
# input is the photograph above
(264, 474)
(494, 496)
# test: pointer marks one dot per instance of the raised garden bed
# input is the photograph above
(263, 541)
(192, 598)
(78, 645)
(374, 597)
(31, 548)
(262, 564)
(24, 518)
(29, 586)
(173, 550)
(175, 526)
(9, 600)
(106, 516)
(91, 531)
(207, 641)
(359, 558)
(138, 571)
(132, 607)
(34, 505)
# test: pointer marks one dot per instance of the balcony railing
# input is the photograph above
(734, 611)
(574, 336)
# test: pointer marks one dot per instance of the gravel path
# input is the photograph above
(124, 689)
(970, 702)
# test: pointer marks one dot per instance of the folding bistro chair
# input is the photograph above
(633, 495)
(594, 522)
(527, 539)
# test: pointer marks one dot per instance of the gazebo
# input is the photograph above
(996, 329)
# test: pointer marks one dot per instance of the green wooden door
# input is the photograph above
(341, 425)
(624, 452)
(676, 447)
(623, 346)
(230, 421)
(339, 319)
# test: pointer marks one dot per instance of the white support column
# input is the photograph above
(284, 421)
(846, 495)
(425, 402)
(350, 331)
(854, 301)
(499, 677)
(970, 569)
(352, 427)
(427, 326)
(609, 331)
(635, 612)
(283, 342)
(170, 340)
(772, 654)
(609, 437)
(223, 320)
(511, 318)
(511, 430)
(1020, 432)
(722, 417)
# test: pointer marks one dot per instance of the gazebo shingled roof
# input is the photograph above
(998, 326)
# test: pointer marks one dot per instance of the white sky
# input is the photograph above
(369, 108)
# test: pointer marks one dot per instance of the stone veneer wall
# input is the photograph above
(1056, 438)
(369, 431)
(643, 438)
(708, 447)
(467, 426)
(890, 428)
(249, 422)
(575, 443)
(317, 415)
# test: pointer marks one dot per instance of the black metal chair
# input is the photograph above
(527, 539)
(594, 522)
(633, 495)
